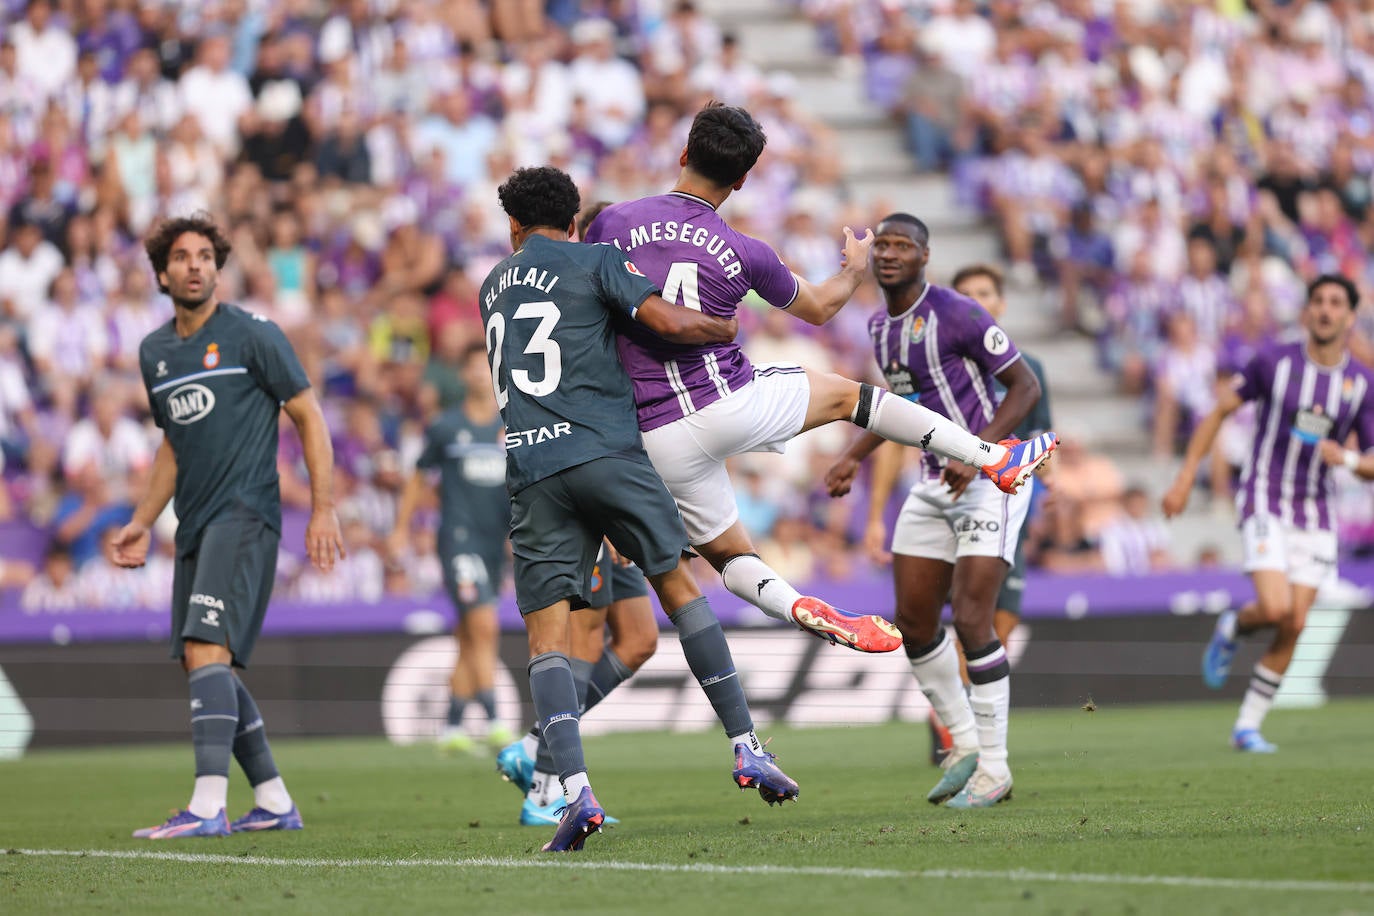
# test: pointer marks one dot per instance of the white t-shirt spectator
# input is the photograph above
(48, 57)
(125, 450)
(217, 100)
(25, 281)
(614, 96)
(962, 43)
(1129, 545)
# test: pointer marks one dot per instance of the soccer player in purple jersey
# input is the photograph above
(1312, 398)
(699, 405)
(957, 533)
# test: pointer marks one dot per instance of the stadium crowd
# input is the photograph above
(353, 149)
(1171, 172)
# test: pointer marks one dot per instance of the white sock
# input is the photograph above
(1263, 685)
(911, 424)
(748, 738)
(573, 786)
(272, 795)
(530, 742)
(750, 579)
(542, 788)
(210, 796)
(937, 674)
(991, 707)
(1226, 625)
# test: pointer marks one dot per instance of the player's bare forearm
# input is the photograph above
(162, 483)
(887, 467)
(1361, 464)
(817, 303)
(1023, 393)
(683, 325)
(304, 411)
(863, 446)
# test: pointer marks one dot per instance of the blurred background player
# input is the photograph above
(957, 533)
(464, 444)
(700, 405)
(1313, 400)
(577, 472)
(217, 379)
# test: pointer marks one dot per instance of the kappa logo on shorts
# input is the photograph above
(211, 619)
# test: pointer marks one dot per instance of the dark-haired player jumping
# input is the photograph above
(701, 404)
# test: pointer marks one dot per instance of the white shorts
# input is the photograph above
(983, 522)
(1305, 557)
(689, 454)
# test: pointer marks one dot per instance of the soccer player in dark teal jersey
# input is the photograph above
(464, 444)
(217, 379)
(577, 471)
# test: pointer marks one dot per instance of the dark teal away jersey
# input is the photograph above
(564, 395)
(473, 503)
(217, 396)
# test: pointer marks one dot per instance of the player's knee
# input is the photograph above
(1274, 613)
(636, 652)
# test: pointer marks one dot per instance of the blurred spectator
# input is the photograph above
(45, 50)
(109, 443)
(17, 420)
(55, 588)
(1184, 380)
(27, 271)
(1133, 543)
(609, 86)
(85, 512)
(215, 95)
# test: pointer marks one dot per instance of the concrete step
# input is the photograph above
(777, 43)
(930, 197)
(873, 152)
(730, 13)
(838, 101)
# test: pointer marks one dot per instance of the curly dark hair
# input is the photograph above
(159, 243)
(540, 197)
(724, 143)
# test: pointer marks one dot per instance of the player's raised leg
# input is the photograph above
(1008, 463)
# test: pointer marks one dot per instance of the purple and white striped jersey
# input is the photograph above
(945, 352)
(1300, 403)
(679, 242)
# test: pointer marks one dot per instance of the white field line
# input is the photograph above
(1048, 877)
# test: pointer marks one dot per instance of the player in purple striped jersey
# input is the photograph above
(700, 405)
(1312, 399)
(957, 533)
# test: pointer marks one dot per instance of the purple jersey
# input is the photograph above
(1300, 404)
(945, 352)
(682, 244)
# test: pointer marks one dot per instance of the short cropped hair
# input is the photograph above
(1344, 283)
(910, 221)
(542, 197)
(159, 243)
(978, 270)
(724, 143)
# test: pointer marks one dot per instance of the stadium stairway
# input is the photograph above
(776, 37)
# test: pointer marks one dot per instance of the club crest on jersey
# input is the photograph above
(918, 329)
(211, 359)
(1348, 389)
(630, 266)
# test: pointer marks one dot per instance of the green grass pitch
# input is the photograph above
(1128, 810)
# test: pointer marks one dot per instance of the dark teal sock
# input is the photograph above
(214, 718)
(555, 702)
(708, 655)
(250, 740)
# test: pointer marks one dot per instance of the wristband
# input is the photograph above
(1352, 460)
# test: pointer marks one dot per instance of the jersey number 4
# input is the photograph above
(541, 345)
(682, 278)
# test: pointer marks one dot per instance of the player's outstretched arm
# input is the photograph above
(323, 540)
(817, 303)
(1199, 446)
(684, 325)
(131, 543)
